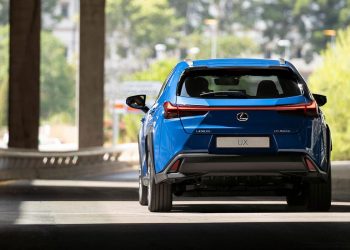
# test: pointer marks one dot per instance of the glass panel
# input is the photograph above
(248, 83)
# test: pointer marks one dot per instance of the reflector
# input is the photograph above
(309, 164)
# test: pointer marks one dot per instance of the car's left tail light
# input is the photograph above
(177, 111)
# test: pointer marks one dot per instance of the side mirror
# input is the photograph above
(320, 99)
(137, 102)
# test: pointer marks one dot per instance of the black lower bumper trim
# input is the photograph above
(199, 164)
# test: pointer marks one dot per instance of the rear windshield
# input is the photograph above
(240, 83)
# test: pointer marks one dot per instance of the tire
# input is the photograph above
(142, 188)
(160, 197)
(319, 196)
(142, 193)
(296, 199)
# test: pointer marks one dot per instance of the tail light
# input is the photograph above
(308, 109)
(170, 111)
(176, 111)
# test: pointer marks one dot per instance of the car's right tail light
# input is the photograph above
(307, 109)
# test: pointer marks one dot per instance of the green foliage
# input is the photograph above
(57, 79)
(141, 23)
(158, 71)
(301, 21)
(233, 46)
(3, 104)
(227, 12)
(332, 79)
(306, 18)
(4, 46)
(61, 118)
(47, 8)
(4, 11)
(132, 126)
(227, 45)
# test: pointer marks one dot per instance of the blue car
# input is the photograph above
(234, 127)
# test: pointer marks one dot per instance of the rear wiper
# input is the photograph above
(237, 94)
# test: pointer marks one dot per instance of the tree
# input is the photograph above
(321, 15)
(4, 11)
(332, 80)
(4, 58)
(47, 7)
(57, 78)
(157, 71)
(302, 21)
(194, 11)
(227, 12)
(227, 45)
(141, 24)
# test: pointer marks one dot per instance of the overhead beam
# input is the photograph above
(24, 73)
(91, 73)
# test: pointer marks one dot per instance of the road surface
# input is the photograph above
(103, 213)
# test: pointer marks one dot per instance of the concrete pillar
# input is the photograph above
(24, 73)
(91, 73)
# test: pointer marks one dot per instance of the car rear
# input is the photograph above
(250, 131)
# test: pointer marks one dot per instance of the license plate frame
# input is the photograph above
(242, 142)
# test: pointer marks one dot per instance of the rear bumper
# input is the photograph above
(192, 165)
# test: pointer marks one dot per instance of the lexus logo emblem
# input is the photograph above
(242, 117)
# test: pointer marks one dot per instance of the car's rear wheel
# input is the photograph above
(142, 193)
(319, 196)
(160, 197)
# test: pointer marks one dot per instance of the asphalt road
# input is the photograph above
(103, 213)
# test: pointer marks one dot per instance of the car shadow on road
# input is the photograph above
(67, 193)
(258, 207)
(218, 235)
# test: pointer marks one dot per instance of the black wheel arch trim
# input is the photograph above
(150, 151)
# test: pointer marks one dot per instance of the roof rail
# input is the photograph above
(282, 61)
(189, 62)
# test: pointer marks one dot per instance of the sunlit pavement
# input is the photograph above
(105, 212)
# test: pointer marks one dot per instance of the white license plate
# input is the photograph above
(242, 142)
